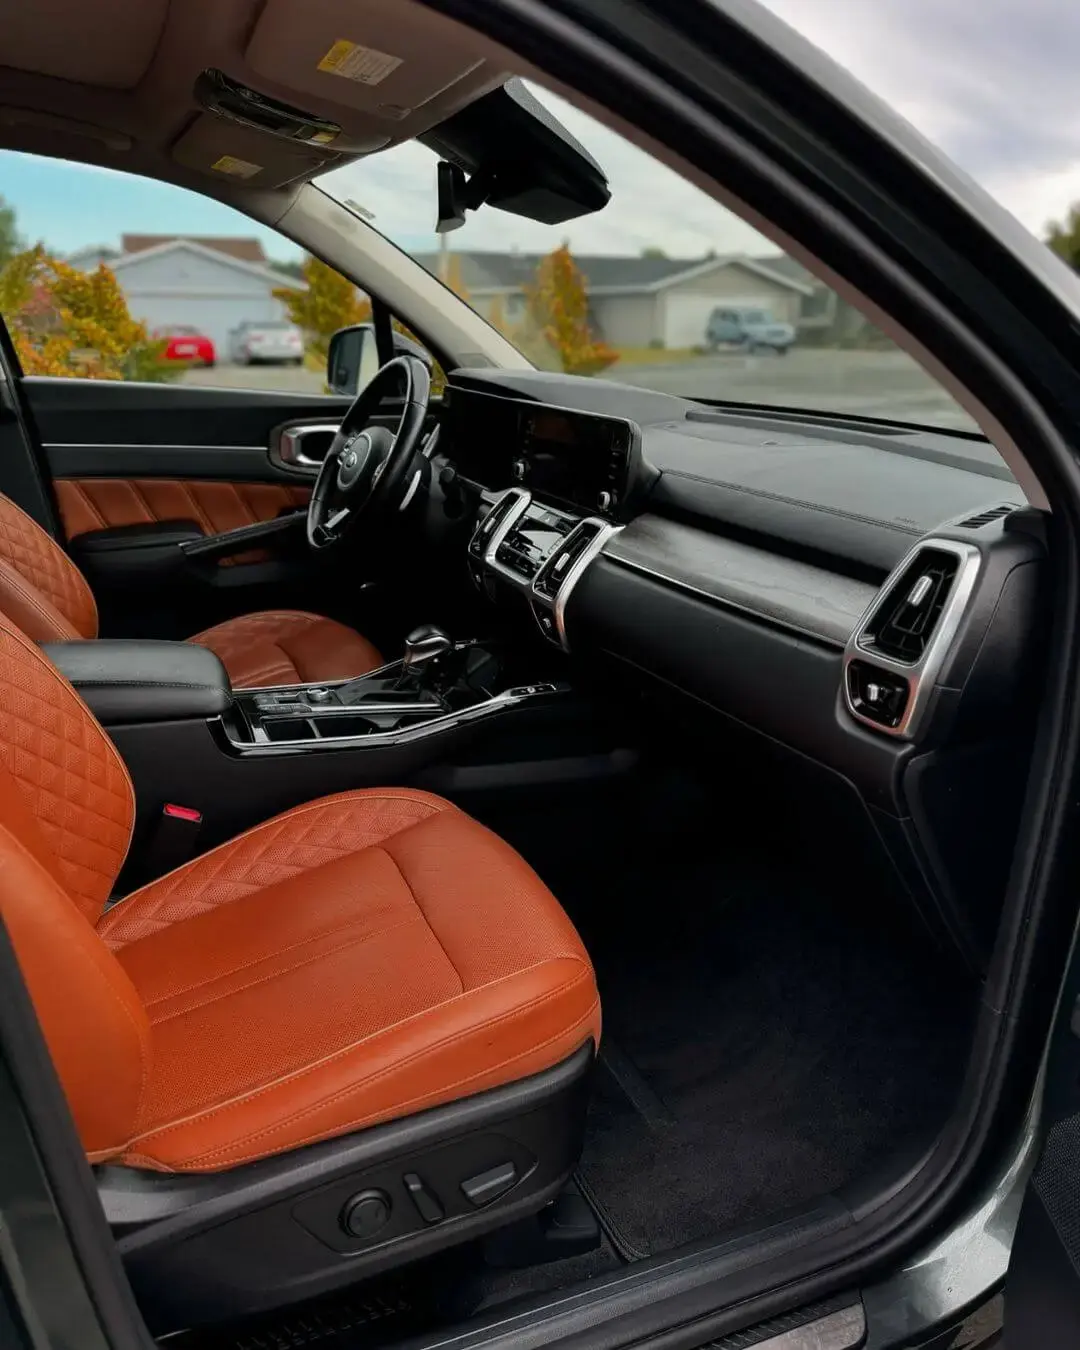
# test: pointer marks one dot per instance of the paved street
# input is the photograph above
(874, 384)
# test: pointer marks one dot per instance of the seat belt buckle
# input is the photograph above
(172, 840)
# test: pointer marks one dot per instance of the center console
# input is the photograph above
(438, 684)
(538, 550)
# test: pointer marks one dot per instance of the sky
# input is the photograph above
(992, 82)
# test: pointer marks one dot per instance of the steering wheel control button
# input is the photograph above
(488, 1186)
(366, 1214)
(424, 1198)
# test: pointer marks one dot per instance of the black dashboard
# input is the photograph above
(864, 595)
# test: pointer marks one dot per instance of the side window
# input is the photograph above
(147, 281)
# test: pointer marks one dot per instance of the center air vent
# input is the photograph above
(903, 623)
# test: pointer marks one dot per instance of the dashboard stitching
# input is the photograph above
(795, 501)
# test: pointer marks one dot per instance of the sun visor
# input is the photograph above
(386, 59)
(108, 44)
(522, 157)
(227, 150)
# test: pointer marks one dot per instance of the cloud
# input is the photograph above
(991, 83)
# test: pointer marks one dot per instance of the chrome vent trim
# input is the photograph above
(921, 674)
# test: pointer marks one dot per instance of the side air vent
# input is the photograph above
(900, 649)
(904, 622)
(988, 516)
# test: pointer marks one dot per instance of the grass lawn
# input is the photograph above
(653, 356)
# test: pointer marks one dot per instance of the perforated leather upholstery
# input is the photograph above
(357, 959)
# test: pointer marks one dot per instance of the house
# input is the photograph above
(637, 301)
(209, 283)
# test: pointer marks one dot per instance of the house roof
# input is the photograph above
(605, 273)
(189, 244)
(236, 246)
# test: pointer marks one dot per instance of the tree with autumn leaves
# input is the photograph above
(67, 322)
(558, 307)
(327, 302)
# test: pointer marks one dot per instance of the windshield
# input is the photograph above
(664, 289)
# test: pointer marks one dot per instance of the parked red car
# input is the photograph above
(187, 344)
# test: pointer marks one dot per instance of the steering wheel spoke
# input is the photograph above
(369, 468)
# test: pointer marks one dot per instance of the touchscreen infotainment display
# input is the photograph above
(574, 458)
(566, 457)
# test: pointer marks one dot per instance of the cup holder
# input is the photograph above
(353, 725)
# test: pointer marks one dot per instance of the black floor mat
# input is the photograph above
(766, 1041)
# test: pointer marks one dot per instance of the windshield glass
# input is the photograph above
(664, 288)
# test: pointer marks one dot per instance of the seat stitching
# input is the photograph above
(19, 583)
(81, 491)
(293, 813)
(294, 1077)
(423, 915)
(66, 688)
(405, 1106)
(265, 979)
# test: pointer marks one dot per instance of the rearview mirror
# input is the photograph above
(353, 357)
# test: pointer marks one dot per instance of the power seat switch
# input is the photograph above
(488, 1186)
(424, 1198)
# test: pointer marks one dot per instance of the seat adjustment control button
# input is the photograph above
(365, 1214)
(489, 1185)
(424, 1198)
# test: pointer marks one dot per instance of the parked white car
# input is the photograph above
(266, 340)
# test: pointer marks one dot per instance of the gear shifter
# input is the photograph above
(423, 646)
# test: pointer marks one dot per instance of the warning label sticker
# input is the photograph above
(365, 65)
(239, 168)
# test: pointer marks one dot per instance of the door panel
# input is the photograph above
(131, 460)
(171, 417)
(89, 504)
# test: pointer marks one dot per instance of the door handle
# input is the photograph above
(293, 440)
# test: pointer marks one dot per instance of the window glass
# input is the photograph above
(147, 281)
(664, 288)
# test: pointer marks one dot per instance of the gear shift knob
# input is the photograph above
(422, 646)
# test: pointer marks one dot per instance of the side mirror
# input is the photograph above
(353, 357)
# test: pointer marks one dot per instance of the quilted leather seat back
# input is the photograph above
(66, 811)
(40, 587)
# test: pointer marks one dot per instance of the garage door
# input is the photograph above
(212, 315)
(686, 316)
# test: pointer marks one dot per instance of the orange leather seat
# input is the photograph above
(357, 959)
(43, 592)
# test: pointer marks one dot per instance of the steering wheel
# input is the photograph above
(364, 473)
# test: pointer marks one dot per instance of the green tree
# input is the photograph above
(653, 252)
(10, 242)
(558, 306)
(329, 302)
(1064, 236)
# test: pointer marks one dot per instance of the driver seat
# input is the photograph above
(45, 594)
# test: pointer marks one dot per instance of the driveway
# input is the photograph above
(297, 379)
(873, 384)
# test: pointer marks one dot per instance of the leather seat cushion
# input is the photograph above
(288, 646)
(359, 958)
